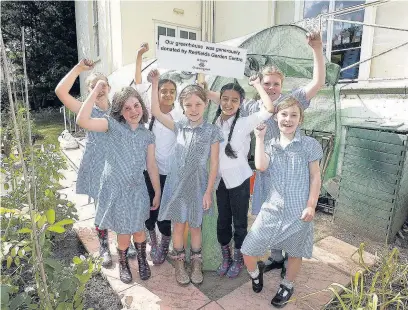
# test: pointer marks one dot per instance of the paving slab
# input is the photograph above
(313, 278)
(341, 255)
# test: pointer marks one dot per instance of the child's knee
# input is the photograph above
(178, 228)
(195, 231)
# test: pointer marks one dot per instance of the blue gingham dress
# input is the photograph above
(182, 199)
(278, 225)
(93, 160)
(123, 201)
(272, 131)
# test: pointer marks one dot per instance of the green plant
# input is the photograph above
(383, 286)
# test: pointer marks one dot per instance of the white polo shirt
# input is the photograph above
(234, 171)
(165, 138)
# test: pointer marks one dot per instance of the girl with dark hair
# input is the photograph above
(189, 186)
(234, 188)
(123, 202)
(165, 140)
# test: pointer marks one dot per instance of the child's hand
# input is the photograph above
(314, 39)
(207, 201)
(203, 85)
(308, 214)
(85, 65)
(254, 80)
(100, 86)
(153, 76)
(156, 202)
(144, 47)
(260, 131)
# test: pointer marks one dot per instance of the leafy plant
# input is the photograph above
(383, 286)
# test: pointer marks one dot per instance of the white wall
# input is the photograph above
(84, 22)
(139, 18)
(238, 18)
(395, 63)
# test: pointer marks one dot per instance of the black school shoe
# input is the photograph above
(277, 265)
(257, 287)
(282, 296)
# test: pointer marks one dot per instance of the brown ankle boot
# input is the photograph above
(196, 267)
(182, 277)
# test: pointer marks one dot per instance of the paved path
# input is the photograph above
(333, 262)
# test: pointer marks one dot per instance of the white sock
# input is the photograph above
(287, 283)
(254, 274)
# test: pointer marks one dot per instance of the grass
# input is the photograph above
(49, 127)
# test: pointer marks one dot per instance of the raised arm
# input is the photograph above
(84, 115)
(255, 81)
(261, 158)
(139, 59)
(319, 69)
(212, 95)
(153, 172)
(207, 199)
(65, 85)
(153, 77)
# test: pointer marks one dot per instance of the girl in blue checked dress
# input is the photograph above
(93, 159)
(189, 187)
(123, 201)
(291, 191)
(272, 82)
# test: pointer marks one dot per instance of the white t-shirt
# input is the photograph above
(165, 138)
(234, 171)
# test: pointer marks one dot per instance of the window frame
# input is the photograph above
(366, 39)
(177, 28)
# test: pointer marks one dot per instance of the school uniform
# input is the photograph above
(278, 225)
(93, 160)
(187, 181)
(233, 191)
(123, 201)
(272, 131)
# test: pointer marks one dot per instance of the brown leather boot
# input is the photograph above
(196, 267)
(182, 277)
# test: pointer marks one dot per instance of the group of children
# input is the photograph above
(167, 171)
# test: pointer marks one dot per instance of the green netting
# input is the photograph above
(285, 47)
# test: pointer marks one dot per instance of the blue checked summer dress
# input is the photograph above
(93, 160)
(182, 199)
(278, 225)
(272, 131)
(123, 202)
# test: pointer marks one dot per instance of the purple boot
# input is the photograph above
(226, 260)
(162, 250)
(237, 264)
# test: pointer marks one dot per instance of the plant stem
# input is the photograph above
(34, 236)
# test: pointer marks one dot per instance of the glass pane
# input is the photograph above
(171, 32)
(183, 34)
(346, 58)
(347, 35)
(192, 36)
(161, 31)
(314, 8)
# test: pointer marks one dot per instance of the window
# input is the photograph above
(342, 41)
(95, 29)
(175, 31)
